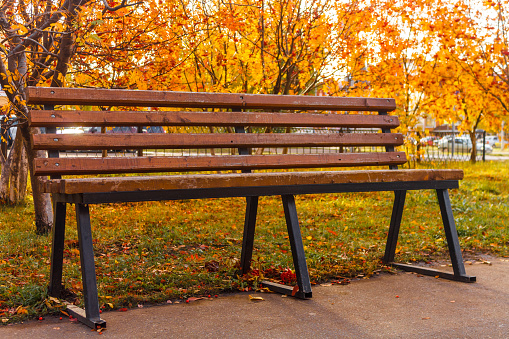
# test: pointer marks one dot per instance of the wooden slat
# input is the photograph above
(198, 181)
(157, 118)
(88, 165)
(117, 97)
(212, 140)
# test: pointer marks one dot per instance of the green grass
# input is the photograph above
(152, 252)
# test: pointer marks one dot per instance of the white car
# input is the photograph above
(492, 140)
(463, 145)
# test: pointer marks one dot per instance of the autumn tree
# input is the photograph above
(132, 49)
(479, 44)
(253, 46)
(250, 46)
(38, 42)
(470, 73)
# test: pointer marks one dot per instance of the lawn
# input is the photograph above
(158, 251)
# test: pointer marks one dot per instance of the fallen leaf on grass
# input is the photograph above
(191, 299)
(212, 266)
(255, 298)
(55, 300)
(343, 281)
(21, 310)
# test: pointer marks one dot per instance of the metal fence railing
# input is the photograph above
(450, 146)
(444, 145)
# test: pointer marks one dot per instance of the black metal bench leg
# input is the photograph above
(452, 235)
(249, 231)
(91, 317)
(452, 242)
(392, 237)
(57, 249)
(299, 257)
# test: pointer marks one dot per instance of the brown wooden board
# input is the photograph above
(197, 181)
(119, 97)
(89, 165)
(165, 118)
(210, 140)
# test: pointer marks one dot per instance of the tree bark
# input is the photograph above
(473, 153)
(13, 180)
(42, 201)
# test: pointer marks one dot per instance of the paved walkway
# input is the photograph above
(387, 306)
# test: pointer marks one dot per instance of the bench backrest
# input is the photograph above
(233, 114)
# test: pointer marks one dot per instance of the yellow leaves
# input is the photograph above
(95, 37)
(54, 303)
(57, 26)
(60, 77)
(21, 310)
(251, 298)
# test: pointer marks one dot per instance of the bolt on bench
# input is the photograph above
(241, 114)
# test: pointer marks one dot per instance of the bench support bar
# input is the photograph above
(88, 266)
(248, 237)
(295, 237)
(299, 257)
(450, 234)
(434, 273)
(57, 250)
(397, 214)
(288, 290)
(80, 314)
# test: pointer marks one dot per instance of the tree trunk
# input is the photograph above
(473, 153)
(42, 201)
(13, 180)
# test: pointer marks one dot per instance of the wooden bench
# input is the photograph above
(245, 120)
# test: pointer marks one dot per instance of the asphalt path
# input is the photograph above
(402, 305)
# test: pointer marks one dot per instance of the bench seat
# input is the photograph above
(230, 180)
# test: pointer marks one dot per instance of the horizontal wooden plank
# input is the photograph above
(210, 140)
(120, 97)
(256, 191)
(165, 118)
(200, 181)
(109, 165)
